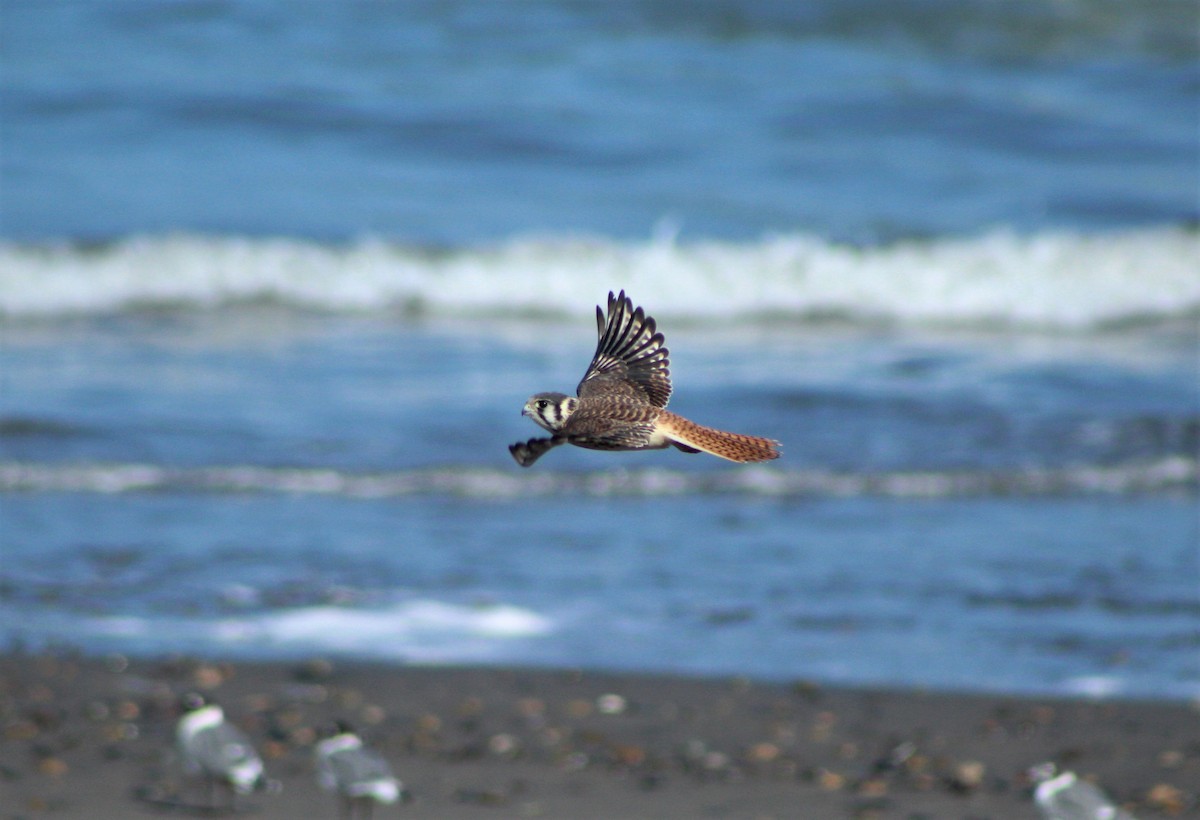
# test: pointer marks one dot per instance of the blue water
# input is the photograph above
(447, 123)
(276, 279)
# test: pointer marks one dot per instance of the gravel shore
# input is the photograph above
(93, 737)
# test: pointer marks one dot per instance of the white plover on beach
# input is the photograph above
(1063, 796)
(213, 748)
(358, 775)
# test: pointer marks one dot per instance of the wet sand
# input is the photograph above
(83, 737)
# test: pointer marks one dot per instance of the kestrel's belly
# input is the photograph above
(614, 434)
(623, 439)
(614, 423)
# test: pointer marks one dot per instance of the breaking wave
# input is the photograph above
(1165, 475)
(1052, 280)
(419, 630)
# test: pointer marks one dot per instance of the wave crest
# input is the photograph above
(1171, 474)
(1054, 280)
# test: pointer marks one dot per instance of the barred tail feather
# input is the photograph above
(690, 437)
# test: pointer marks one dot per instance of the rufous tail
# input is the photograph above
(689, 436)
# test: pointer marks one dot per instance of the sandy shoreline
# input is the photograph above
(83, 737)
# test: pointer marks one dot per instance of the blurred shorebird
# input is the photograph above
(359, 776)
(622, 400)
(216, 750)
(1063, 796)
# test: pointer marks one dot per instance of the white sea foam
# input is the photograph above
(1169, 474)
(1056, 280)
(1094, 686)
(426, 631)
(420, 630)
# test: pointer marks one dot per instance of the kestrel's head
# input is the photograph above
(550, 410)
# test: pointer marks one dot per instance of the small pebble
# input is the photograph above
(830, 781)
(763, 752)
(21, 730)
(550, 736)
(207, 676)
(259, 702)
(874, 787)
(715, 761)
(429, 723)
(629, 755)
(117, 732)
(784, 733)
(823, 725)
(1170, 759)
(502, 745)
(1166, 798)
(288, 718)
(373, 715)
(611, 704)
(968, 775)
(52, 766)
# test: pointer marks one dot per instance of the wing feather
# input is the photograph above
(631, 359)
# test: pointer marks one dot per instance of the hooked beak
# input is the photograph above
(524, 411)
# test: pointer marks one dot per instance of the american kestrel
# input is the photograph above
(621, 402)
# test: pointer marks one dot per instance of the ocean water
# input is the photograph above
(276, 279)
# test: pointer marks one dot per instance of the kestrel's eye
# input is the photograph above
(542, 404)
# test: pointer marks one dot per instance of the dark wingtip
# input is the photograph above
(520, 453)
(621, 300)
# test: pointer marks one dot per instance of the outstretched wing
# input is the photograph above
(630, 358)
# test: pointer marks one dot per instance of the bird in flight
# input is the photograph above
(621, 401)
